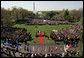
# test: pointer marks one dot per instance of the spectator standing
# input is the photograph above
(33, 49)
(20, 47)
(49, 48)
(9, 44)
(17, 47)
(61, 49)
(25, 48)
(28, 48)
(41, 50)
(52, 49)
(45, 50)
(56, 48)
(63, 54)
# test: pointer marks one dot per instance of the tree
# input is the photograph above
(15, 13)
(77, 14)
(67, 16)
(44, 14)
(37, 15)
(20, 13)
(50, 14)
(81, 20)
(65, 13)
(25, 13)
(5, 17)
(9, 16)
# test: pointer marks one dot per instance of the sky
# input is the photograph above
(43, 5)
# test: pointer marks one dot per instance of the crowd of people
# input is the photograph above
(68, 54)
(15, 34)
(69, 35)
(35, 51)
(49, 22)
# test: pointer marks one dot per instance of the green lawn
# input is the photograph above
(45, 28)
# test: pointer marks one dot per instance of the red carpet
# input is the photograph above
(40, 37)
